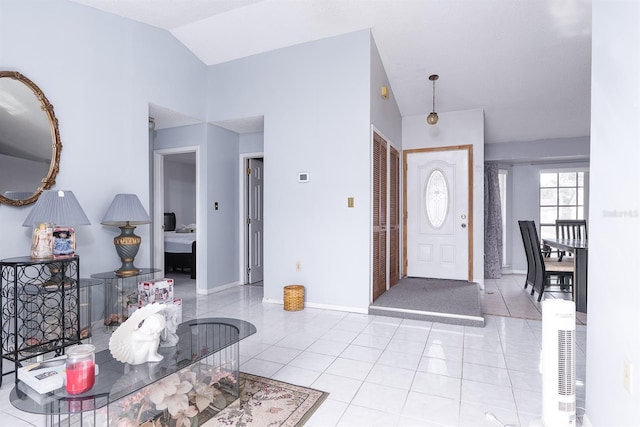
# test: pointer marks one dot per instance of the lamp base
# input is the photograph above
(127, 271)
(127, 245)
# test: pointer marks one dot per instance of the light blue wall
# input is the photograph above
(217, 232)
(456, 128)
(251, 142)
(559, 150)
(613, 334)
(222, 259)
(385, 114)
(100, 72)
(315, 101)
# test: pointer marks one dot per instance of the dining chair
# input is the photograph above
(531, 266)
(545, 270)
(570, 229)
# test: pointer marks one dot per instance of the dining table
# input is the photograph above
(580, 250)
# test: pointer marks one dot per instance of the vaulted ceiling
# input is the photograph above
(527, 63)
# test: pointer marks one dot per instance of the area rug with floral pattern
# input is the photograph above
(267, 402)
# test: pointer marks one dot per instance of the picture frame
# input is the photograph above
(42, 242)
(64, 242)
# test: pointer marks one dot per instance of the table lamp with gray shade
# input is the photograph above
(53, 208)
(126, 212)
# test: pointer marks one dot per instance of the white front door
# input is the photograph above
(256, 269)
(438, 223)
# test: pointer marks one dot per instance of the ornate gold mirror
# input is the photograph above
(29, 140)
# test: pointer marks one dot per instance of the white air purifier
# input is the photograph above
(558, 364)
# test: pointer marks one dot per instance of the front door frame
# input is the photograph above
(405, 154)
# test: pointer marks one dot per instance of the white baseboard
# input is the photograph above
(340, 308)
(509, 270)
(216, 289)
(322, 306)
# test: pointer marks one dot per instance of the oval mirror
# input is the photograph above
(29, 140)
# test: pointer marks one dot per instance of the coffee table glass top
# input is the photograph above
(198, 339)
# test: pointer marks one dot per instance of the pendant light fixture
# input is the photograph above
(432, 118)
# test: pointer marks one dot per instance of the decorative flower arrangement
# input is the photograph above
(178, 400)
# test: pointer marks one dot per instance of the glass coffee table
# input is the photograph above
(204, 365)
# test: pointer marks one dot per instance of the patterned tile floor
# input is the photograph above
(383, 371)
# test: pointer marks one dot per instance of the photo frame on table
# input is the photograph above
(64, 242)
(42, 243)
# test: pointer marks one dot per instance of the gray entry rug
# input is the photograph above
(439, 300)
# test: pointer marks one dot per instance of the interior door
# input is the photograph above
(438, 208)
(254, 220)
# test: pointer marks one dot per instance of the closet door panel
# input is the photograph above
(394, 217)
(379, 262)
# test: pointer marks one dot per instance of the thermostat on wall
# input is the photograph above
(303, 176)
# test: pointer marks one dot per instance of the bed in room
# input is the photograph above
(179, 246)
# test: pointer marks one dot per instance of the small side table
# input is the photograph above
(120, 293)
(40, 313)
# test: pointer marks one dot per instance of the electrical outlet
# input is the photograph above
(297, 265)
(628, 374)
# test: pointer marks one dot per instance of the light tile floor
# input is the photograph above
(507, 297)
(383, 371)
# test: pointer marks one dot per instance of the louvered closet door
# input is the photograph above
(394, 217)
(379, 216)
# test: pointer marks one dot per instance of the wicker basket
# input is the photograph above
(293, 297)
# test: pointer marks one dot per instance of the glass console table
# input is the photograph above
(207, 353)
(120, 293)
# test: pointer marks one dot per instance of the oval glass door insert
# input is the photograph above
(436, 198)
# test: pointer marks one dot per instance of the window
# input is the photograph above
(562, 196)
(437, 198)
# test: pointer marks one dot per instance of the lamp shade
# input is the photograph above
(56, 207)
(126, 208)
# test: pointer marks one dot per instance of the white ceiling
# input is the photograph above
(525, 62)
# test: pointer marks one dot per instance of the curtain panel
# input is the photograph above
(492, 223)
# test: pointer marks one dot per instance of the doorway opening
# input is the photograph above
(176, 190)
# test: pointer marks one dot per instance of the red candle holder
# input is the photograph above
(80, 369)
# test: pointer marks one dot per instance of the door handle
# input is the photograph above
(463, 225)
